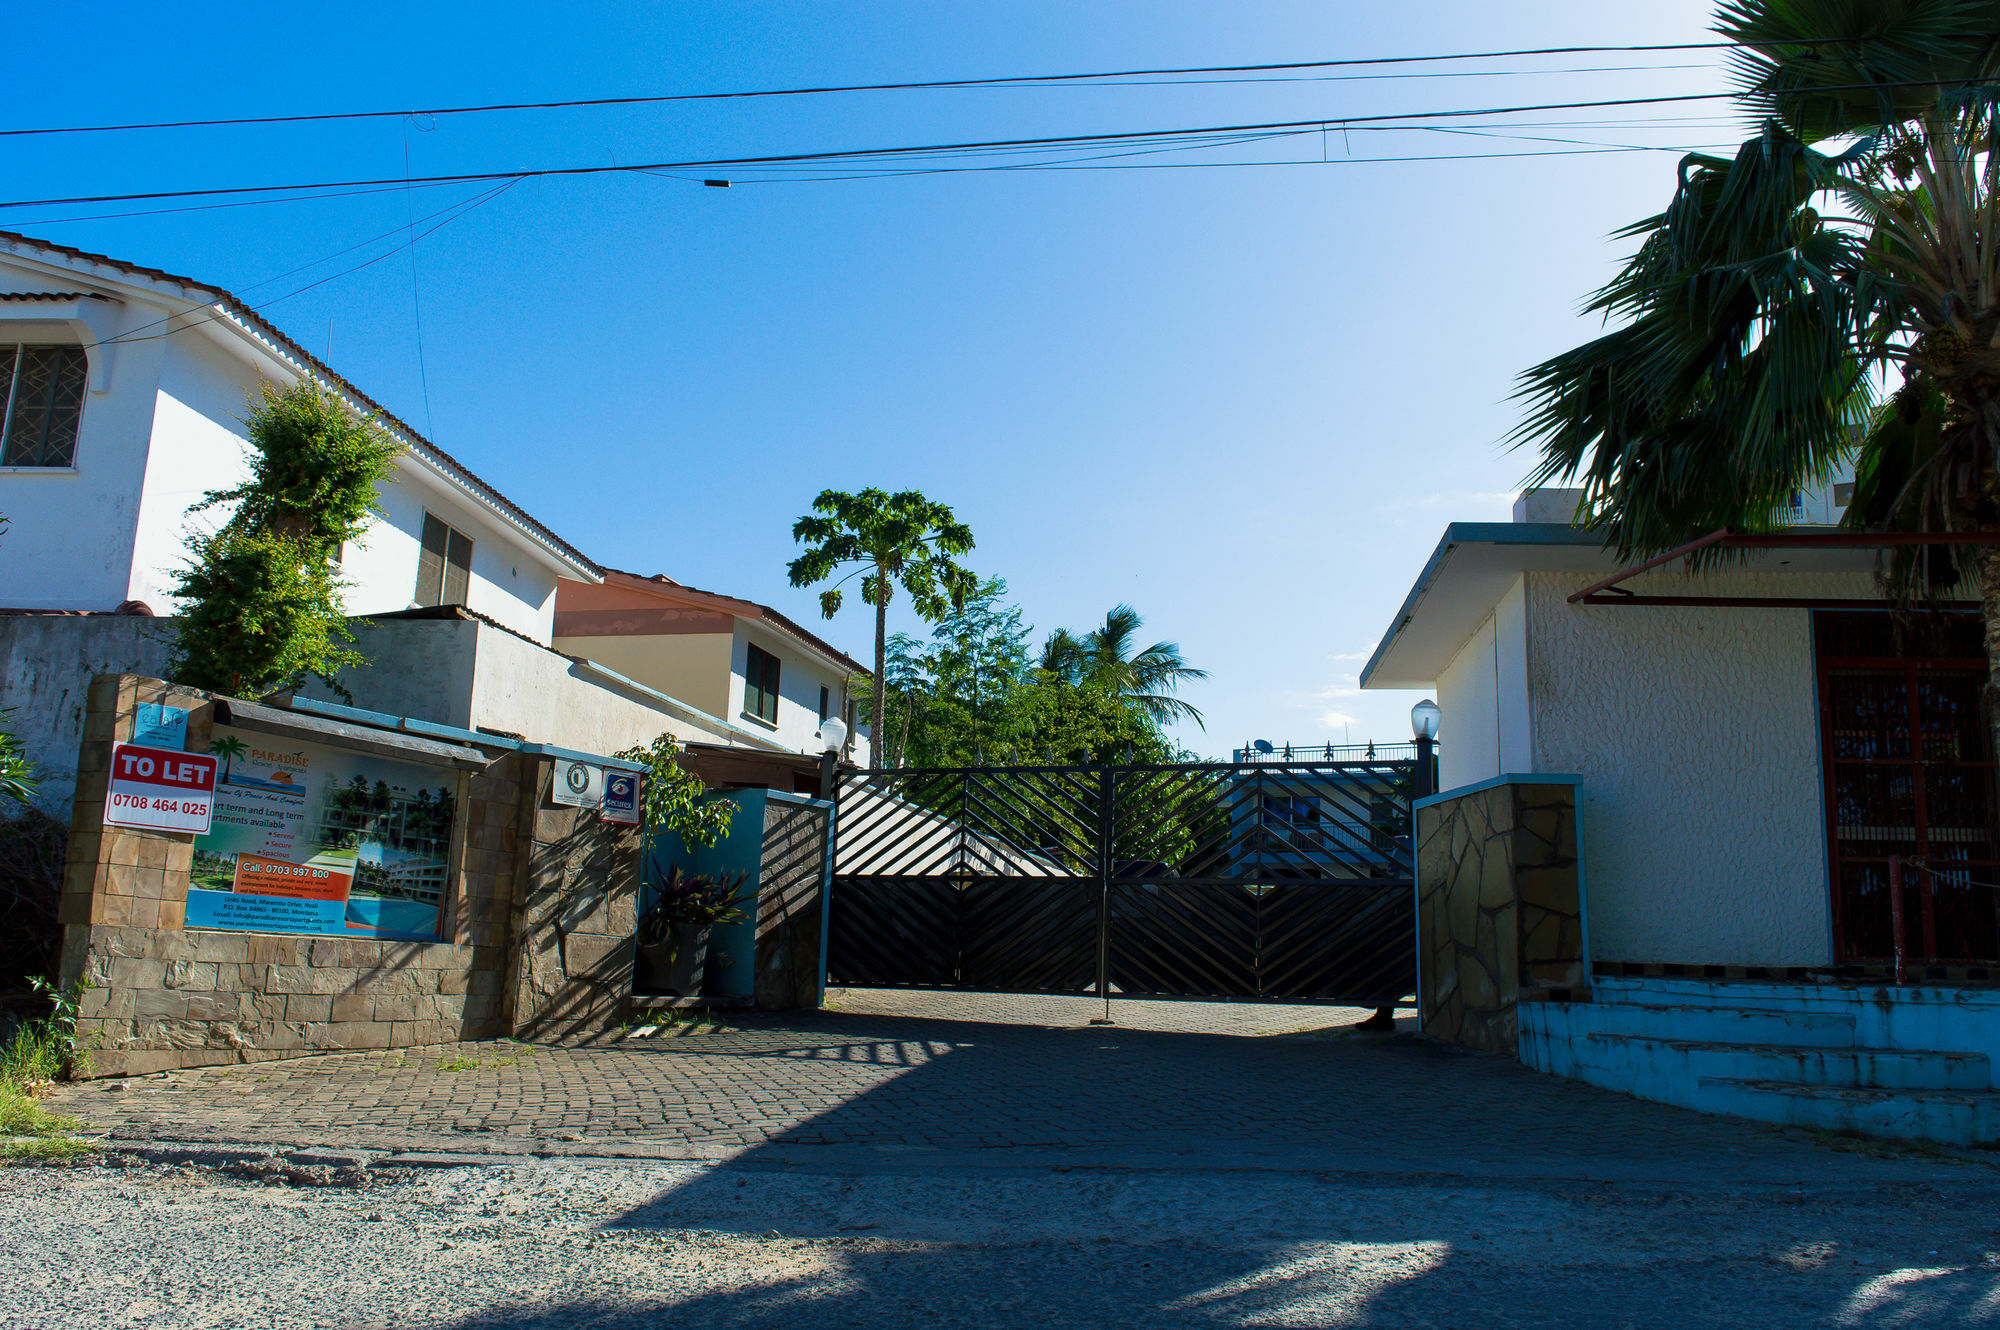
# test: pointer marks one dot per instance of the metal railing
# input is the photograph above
(1403, 752)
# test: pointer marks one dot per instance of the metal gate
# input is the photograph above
(1283, 880)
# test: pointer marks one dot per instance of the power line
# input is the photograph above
(1016, 80)
(1275, 128)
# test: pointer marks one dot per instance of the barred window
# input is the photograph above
(43, 394)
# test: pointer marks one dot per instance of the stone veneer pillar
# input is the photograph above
(1500, 908)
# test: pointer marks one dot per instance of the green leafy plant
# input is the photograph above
(262, 595)
(694, 899)
(38, 1053)
(17, 773)
(674, 799)
(892, 540)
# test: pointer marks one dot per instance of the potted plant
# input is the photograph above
(673, 936)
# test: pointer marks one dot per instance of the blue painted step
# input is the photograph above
(1804, 1064)
(1954, 1117)
(1725, 1025)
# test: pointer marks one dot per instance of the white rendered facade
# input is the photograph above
(173, 368)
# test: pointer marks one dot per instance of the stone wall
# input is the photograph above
(575, 907)
(166, 996)
(791, 899)
(1499, 908)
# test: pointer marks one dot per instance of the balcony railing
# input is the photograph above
(1403, 752)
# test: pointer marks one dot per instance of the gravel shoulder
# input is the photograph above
(598, 1243)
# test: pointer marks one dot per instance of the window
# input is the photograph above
(760, 685)
(825, 703)
(41, 402)
(444, 568)
(1285, 810)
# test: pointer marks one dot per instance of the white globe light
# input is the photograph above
(832, 734)
(1424, 719)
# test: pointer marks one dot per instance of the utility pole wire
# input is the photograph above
(1016, 80)
(989, 145)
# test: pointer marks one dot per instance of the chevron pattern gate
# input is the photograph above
(1273, 880)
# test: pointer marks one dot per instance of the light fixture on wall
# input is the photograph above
(832, 738)
(1424, 725)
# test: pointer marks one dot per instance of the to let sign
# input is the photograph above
(160, 790)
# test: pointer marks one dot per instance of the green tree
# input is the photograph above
(892, 540)
(1106, 658)
(674, 799)
(262, 595)
(1830, 292)
(952, 701)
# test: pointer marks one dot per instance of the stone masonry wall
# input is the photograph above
(575, 908)
(1499, 918)
(165, 996)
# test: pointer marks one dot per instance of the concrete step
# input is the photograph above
(1722, 1025)
(1801, 1064)
(1951, 1116)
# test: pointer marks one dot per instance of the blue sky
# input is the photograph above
(1246, 401)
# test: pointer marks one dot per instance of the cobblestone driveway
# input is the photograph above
(966, 1077)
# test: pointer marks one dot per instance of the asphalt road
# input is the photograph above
(900, 1241)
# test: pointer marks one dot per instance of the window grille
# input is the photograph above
(43, 390)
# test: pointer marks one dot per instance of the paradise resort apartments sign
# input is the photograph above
(158, 790)
(312, 839)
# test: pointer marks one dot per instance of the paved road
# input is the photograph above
(978, 1081)
(942, 1161)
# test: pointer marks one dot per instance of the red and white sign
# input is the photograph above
(160, 790)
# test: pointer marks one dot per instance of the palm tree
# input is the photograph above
(228, 748)
(1830, 292)
(894, 540)
(1104, 658)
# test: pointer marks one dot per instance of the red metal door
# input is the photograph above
(1908, 771)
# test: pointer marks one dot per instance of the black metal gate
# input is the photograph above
(1283, 880)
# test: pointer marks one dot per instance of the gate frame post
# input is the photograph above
(1107, 787)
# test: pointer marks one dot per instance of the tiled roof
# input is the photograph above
(49, 295)
(217, 295)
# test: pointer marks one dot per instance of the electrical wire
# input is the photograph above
(988, 146)
(1017, 80)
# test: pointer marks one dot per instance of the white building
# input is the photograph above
(122, 396)
(731, 657)
(1750, 747)
(125, 389)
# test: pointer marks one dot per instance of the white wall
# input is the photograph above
(1485, 722)
(199, 444)
(69, 541)
(1469, 718)
(532, 691)
(800, 677)
(169, 428)
(1696, 732)
(511, 583)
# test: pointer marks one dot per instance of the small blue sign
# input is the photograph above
(621, 798)
(158, 726)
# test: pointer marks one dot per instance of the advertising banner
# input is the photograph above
(311, 839)
(157, 789)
